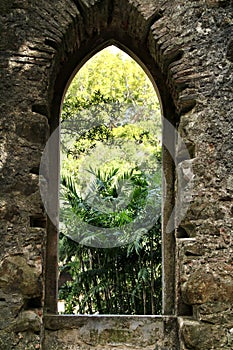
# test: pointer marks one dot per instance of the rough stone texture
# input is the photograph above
(195, 336)
(110, 332)
(187, 47)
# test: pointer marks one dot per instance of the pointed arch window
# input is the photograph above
(110, 190)
(105, 125)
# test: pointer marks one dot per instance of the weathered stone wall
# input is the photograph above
(110, 332)
(187, 47)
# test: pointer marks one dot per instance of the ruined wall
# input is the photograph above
(189, 44)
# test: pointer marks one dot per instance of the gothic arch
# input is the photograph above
(186, 48)
(103, 30)
(141, 30)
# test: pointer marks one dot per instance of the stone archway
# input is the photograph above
(142, 45)
(146, 49)
(186, 47)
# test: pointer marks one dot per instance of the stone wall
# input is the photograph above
(110, 332)
(187, 47)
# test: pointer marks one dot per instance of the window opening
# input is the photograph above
(110, 190)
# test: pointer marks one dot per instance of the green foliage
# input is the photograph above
(116, 78)
(104, 204)
(122, 280)
(113, 281)
(111, 159)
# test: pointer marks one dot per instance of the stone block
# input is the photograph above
(16, 275)
(208, 284)
(202, 336)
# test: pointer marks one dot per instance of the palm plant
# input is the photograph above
(120, 280)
